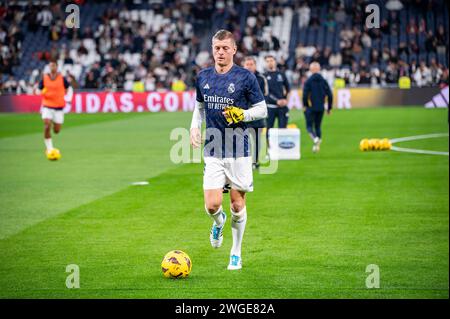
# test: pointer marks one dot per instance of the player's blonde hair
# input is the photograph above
(223, 35)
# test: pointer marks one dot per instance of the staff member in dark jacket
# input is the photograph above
(315, 90)
(278, 90)
(257, 126)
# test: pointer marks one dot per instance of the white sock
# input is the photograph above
(48, 144)
(217, 216)
(238, 221)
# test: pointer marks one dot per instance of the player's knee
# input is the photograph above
(56, 130)
(47, 127)
(212, 208)
(237, 205)
(239, 215)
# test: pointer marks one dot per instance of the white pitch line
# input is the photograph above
(418, 137)
(413, 150)
(140, 183)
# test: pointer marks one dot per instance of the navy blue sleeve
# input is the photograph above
(306, 93)
(41, 85)
(286, 85)
(265, 86)
(260, 83)
(66, 83)
(329, 95)
(254, 94)
(199, 96)
(271, 99)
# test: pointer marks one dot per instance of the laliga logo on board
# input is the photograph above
(286, 144)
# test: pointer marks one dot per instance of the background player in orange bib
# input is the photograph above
(53, 88)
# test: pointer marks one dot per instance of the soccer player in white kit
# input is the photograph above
(228, 96)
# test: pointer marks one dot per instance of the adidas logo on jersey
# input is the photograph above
(206, 87)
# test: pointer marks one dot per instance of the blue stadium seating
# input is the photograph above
(321, 36)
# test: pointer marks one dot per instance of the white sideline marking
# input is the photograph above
(413, 150)
(418, 137)
(139, 183)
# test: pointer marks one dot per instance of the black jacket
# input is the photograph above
(278, 86)
(315, 90)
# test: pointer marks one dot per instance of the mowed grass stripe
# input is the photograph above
(318, 223)
(13, 124)
(118, 242)
(98, 159)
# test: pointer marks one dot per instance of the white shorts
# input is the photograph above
(234, 171)
(57, 116)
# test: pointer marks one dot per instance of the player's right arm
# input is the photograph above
(196, 124)
(286, 90)
(39, 88)
(264, 85)
(197, 119)
(306, 93)
(271, 99)
(329, 94)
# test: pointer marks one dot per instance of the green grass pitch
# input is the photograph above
(313, 227)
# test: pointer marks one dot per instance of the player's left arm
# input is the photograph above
(40, 87)
(306, 93)
(286, 85)
(69, 95)
(69, 91)
(264, 85)
(329, 94)
(234, 114)
(258, 109)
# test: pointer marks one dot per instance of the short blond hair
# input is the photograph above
(223, 35)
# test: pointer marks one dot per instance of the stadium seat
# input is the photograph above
(284, 25)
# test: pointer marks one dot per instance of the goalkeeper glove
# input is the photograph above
(233, 114)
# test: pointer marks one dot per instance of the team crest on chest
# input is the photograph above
(231, 88)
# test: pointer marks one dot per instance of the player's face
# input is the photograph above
(271, 64)
(53, 67)
(223, 51)
(250, 65)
